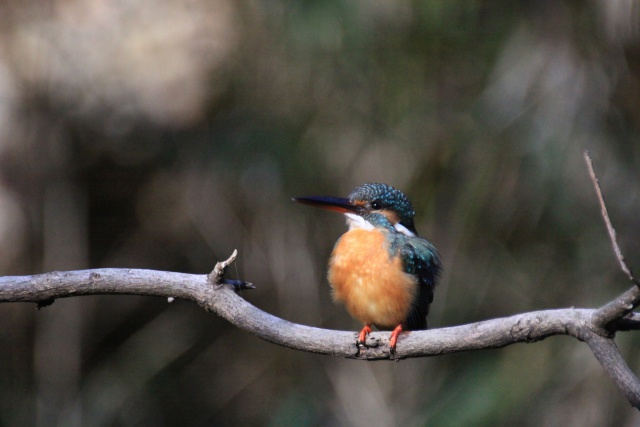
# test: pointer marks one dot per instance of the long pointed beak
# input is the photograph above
(336, 204)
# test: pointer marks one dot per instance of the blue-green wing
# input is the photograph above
(420, 259)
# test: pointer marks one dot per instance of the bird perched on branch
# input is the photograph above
(380, 269)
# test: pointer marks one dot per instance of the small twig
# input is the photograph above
(238, 285)
(607, 221)
(626, 302)
(217, 275)
(630, 322)
(614, 311)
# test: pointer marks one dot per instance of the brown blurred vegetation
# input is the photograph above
(162, 135)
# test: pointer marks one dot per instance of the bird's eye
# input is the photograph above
(376, 205)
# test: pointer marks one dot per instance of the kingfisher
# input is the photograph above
(380, 269)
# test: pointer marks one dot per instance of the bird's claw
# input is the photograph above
(393, 339)
(362, 336)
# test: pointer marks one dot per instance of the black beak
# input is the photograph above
(336, 204)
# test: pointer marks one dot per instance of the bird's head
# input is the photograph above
(371, 205)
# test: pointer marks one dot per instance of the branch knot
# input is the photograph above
(525, 329)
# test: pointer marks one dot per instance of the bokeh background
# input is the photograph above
(163, 135)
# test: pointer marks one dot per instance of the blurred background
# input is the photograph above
(163, 135)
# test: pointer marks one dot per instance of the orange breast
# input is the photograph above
(371, 284)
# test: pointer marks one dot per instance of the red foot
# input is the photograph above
(393, 339)
(362, 337)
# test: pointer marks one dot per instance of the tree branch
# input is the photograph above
(594, 326)
(607, 353)
(607, 221)
(626, 302)
(618, 308)
(211, 292)
(221, 299)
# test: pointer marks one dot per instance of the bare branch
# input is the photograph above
(221, 299)
(607, 353)
(626, 302)
(618, 308)
(527, 327)
(607, 221)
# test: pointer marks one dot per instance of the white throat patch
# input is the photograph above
(356, 221)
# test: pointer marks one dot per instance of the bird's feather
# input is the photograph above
(421, 260)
